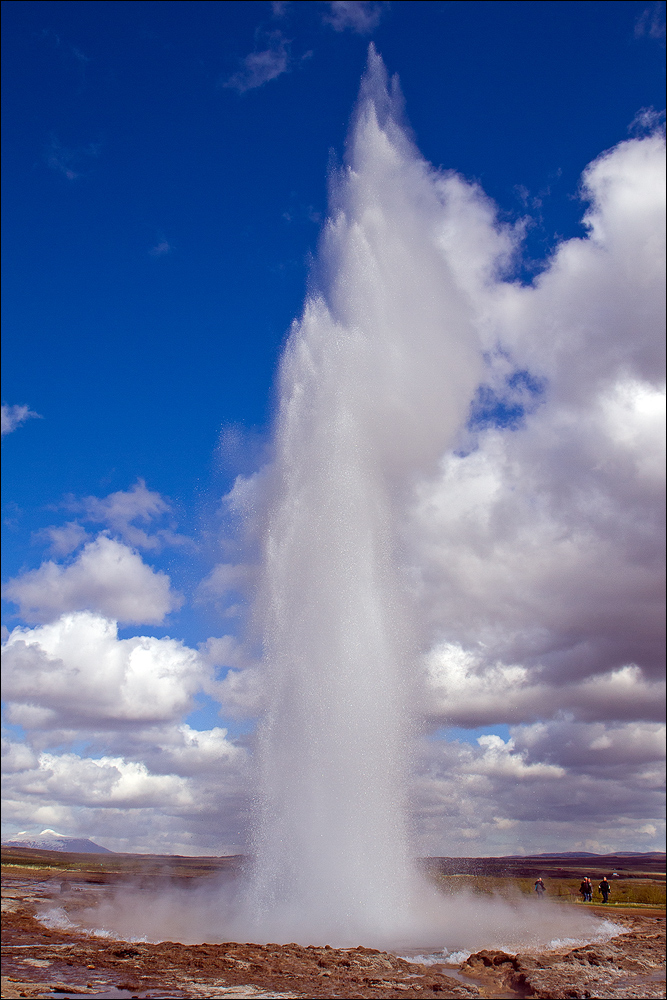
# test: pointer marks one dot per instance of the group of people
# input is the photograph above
(586, 889)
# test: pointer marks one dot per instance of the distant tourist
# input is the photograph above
(540, 888)
(586, 890)
(605, 889)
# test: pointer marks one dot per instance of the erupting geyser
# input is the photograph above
(375, 379)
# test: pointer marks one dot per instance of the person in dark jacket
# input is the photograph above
(540, 888)
(586, 890)
(605, 889)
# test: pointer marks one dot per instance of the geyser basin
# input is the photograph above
(444, 928)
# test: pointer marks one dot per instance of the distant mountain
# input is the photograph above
(567, 854)
(640, 854)
(587, 854)
(49, 840)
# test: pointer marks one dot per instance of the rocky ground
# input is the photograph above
(39, 961)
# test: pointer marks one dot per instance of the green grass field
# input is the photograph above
(626, 892)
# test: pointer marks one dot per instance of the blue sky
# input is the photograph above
(142, 358)
(165, 181)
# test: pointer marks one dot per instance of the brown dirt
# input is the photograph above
(40, 961)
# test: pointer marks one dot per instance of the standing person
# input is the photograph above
(586, 889)
(540, 888)
(605, 889)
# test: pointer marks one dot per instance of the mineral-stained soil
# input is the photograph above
(629, 965)
(41, 961)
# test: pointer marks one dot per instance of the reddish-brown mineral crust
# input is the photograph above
(629, 965)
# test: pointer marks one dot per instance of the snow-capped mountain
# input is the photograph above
(49, 840)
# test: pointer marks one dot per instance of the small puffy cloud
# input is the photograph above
(120, 510)
(223, 651)
(17, 757)
(14, 416)
(262, 66)
(240, 690)
(106, 577)
(599, 748)
(361, 16)
(107, 781)
(190, 752)
(224, 585)
(499, 760)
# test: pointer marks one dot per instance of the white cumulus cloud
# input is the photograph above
(536, 551)
(107, 577)
(82, 675)
(146, 780)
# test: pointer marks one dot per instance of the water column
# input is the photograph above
(374, 380)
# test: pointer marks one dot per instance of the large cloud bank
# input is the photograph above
(533, 555)
(537, 551)
(145, 779)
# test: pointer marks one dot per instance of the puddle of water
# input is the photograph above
(642, 977)
(239, 992)
(110, 994)
(40, 944)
